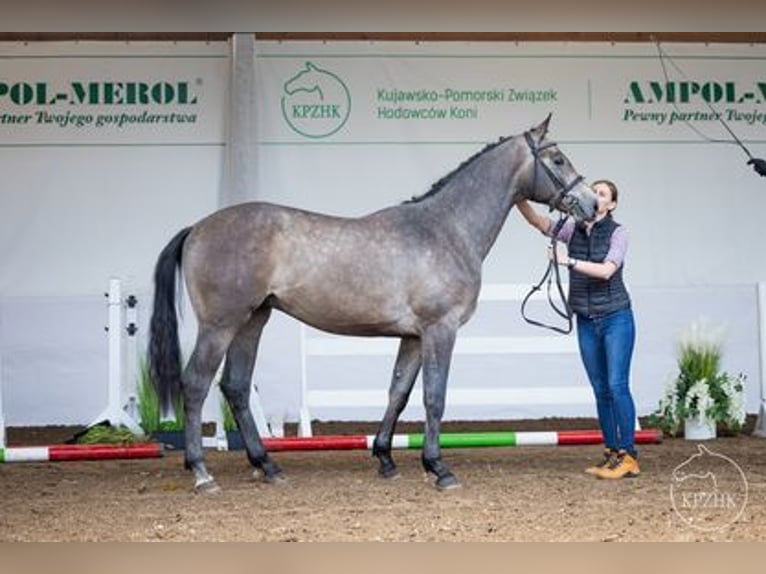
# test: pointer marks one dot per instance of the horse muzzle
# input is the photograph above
(581, 207)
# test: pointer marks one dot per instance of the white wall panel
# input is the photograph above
(78, 206)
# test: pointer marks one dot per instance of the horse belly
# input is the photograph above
(338, 309)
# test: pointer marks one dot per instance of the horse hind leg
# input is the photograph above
(405, 372)
(208, 353)
(235, 385)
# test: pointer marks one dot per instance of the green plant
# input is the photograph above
(149, 405)
(229, 424)
(701, 389)
(107, 434)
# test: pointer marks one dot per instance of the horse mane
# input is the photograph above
(441, 184)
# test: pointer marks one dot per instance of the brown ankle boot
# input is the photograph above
(622, 466)
(609, 454)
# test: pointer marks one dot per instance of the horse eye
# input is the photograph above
(559, 160)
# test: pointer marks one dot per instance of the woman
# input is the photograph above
(605, 326)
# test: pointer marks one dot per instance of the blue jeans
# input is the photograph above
(606, 347)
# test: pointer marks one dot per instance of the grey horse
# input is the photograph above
(411, 271)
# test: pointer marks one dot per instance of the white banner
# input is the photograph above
(78, 94)
(362, 92)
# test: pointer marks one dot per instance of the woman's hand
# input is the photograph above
(759, 165)
(562, 256)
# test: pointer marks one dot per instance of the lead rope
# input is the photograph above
(550, 272)
(663, 56)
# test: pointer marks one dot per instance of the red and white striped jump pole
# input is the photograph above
(453, 440)
(62, 452)
(326, 442)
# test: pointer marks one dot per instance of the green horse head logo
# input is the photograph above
(315, 102)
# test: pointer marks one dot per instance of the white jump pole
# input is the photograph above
(219, 442)
(258, 415)
(760, 425)
(114, 412)
(304, 426)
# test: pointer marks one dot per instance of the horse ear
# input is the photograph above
(546, 121)
(542, 129)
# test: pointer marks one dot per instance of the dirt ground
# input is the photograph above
(507, 494)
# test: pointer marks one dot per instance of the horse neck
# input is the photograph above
(476, 201)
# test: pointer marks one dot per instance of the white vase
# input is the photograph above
(699, 428)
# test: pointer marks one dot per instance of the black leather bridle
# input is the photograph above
(562, 187)
(553, 266)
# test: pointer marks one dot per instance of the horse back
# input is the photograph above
(380, 274)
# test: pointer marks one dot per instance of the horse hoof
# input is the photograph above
(270, 478)
(389, 473)
(207, 487)
(387, 469)
(276, 478)
(447, 482)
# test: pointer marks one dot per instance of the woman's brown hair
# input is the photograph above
(610, 184)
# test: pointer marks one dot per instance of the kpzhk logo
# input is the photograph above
(708, 491)
(315, 102)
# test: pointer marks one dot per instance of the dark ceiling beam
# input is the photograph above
(615, 37)
(114, 36)
(693, 37)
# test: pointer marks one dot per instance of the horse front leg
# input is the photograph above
(406, 370)
(438, 343)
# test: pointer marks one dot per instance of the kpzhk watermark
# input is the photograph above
(708, 490)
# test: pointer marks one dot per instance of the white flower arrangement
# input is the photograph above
(734, 388)
(700, 389)
(698, 401)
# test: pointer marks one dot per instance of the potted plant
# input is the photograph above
(701, 396)
(168, 432)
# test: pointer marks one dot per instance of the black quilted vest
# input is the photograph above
(589, 296)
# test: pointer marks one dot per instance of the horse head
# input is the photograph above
(306, 80)
(698, 466)
(553, 179)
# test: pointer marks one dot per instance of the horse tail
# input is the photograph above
(164, 346)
